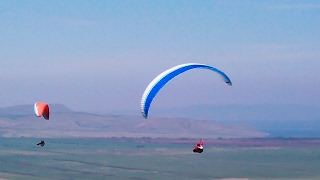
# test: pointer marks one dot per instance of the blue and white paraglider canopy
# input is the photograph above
(154, 87)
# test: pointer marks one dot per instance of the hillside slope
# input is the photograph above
(19, 121)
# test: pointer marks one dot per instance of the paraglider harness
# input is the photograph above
(199, 147)
(41, 143)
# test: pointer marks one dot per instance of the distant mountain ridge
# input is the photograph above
(233, 112)
(286, 120)
(20, 121)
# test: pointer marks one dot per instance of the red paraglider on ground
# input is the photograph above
(199, 147)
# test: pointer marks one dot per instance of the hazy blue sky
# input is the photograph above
(101, 55)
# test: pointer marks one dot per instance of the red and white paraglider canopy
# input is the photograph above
(41, 109)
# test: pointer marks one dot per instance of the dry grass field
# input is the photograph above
(146, 158)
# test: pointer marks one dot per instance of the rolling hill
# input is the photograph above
(285, 120)
(20, 121)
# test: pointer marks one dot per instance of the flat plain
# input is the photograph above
(144, 158)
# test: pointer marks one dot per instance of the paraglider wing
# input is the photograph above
(41, 109)
(154, 87)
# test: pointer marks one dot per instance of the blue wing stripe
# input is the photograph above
(146, 101)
